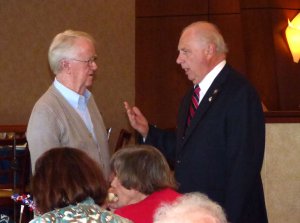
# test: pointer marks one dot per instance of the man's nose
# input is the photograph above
(179, 59)
(95, 66)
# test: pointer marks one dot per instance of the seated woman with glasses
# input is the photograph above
(142, 181)
(68, 186)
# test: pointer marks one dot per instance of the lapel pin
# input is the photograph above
(214, 93)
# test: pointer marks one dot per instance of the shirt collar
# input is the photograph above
(76, 100)
(209, 78)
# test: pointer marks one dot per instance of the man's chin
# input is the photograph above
(190, 78)
(89, 84)
(90, 81)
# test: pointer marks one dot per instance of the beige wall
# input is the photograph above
(281, 172)
(26, 30)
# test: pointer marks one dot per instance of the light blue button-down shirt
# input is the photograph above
(79, 103)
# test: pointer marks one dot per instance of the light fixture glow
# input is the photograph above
(292, 33)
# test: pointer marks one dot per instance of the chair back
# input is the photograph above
(14, 166)
(123, 139)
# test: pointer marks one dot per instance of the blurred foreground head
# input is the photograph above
(191, 208)
(65, 176)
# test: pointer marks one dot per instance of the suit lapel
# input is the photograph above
(184, 113)
(210, 97)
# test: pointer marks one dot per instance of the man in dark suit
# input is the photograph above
(218, 150)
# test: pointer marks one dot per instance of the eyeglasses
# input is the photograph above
(89, 61)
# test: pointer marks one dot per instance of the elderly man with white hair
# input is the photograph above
(190, 208)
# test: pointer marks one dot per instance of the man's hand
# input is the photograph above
(137, 119)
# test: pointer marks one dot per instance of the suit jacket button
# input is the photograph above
(178, 161)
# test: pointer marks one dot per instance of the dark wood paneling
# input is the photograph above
(285, 4)
(259, 54)
(254, 32)
(291, 4)
(287, 72)
(282, 117)
(221, 6)
(170, 7)
(231, 29)
(254, 3)
(160, 82)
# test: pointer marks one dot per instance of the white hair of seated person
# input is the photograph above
(191, 208)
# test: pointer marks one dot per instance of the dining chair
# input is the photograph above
(14, 172)
(123, 139)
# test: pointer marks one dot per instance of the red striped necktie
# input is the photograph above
(194, 104)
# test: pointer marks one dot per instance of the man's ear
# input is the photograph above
(64, 65)
(210, 50)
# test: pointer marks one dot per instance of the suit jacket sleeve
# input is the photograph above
(164, 140)
(245, 144)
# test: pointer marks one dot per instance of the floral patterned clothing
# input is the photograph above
(85, 212)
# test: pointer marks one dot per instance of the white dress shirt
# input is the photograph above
(209, 78)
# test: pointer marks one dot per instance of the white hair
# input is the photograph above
(63, 46)
(190, 207)
(208, 33)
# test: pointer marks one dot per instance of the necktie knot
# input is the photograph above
(197, 92)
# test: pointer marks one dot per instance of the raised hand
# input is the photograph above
(137, 119)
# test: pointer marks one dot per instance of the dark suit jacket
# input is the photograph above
(221, 152)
